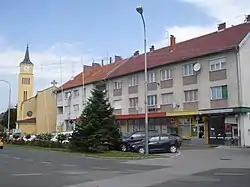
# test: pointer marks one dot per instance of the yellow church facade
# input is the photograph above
(35, 114)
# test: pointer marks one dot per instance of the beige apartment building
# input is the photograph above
(199, 85)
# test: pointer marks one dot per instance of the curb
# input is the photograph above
(231, 147)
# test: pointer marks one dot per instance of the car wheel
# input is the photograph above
(141, 150)
(173, 149)
(1, 147)
(124, 148)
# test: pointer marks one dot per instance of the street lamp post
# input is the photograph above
(7, 82)
(139, 9)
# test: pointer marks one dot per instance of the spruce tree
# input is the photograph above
(97, 123)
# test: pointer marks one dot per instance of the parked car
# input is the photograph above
(67, 134)
(178, 137)
(157, 144)
(29, 138)
(136, 136)
(1, 143)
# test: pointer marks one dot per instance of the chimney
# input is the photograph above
(152, 48)
(95, 66)
(248, 18)
(172, 42)
(118, 58)
(136, 53)
(221, 26)
(110, 60)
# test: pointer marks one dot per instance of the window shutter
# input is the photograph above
(224, 92)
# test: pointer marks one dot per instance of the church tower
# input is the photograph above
(25, 82)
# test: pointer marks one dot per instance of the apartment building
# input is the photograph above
(71, 98)
(196, 86)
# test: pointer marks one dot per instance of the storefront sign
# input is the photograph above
(217, 111)
(182, 113)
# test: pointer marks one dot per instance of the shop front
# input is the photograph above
(225, 125)
(136, 122)
(188, 124)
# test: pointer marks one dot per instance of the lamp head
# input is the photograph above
(139, 9)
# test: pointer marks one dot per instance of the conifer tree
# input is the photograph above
(97, 123)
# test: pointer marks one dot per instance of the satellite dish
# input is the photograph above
(197, 67)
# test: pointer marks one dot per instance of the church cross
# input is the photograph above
(54, 83)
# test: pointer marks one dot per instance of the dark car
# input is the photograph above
(157, 144)
(178, 137)
(136, 136)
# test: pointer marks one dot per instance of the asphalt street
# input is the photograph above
(221, 177)
(22, 167)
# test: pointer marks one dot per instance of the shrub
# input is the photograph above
(28, 136)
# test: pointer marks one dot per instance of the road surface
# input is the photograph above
(22, 167)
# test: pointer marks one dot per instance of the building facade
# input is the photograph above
(38, 113)
(72, 97)
(35, 114)
(199, 85)
(195, 87)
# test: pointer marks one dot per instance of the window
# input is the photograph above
(138, 134)
(164, 138)
(117, 85)
(133, 81)
(151, 77)
(76, 93)
(219, 92)
(66, 109)
(25, 80)
(117, 104)
(76, 107)
(59, 110)
(84, 95)
(166, 74)
(217, 64)
(154, 139)
(167, 98)
(133, 102)
(67, 95)
(25, 95)
(152, 100)
(191, 95)
(59, 97)
(188, 70)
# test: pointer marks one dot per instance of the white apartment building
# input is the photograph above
(196, 86)
(73, 95)
(70, 104)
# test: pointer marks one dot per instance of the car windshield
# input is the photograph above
(125, 134)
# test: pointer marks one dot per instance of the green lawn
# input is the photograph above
(106, 154)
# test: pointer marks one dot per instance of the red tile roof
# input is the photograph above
(92, 74)
(203, 45)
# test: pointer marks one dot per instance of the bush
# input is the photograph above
(16, 136)
(44, 136)
(61, 137)
(40, 143)
(28, 136)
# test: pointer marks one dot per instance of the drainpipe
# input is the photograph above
(239, 85)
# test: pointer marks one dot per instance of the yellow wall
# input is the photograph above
(23, 73)
(46, 111)
(28, 128)
(29, 105)
(43, 107)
